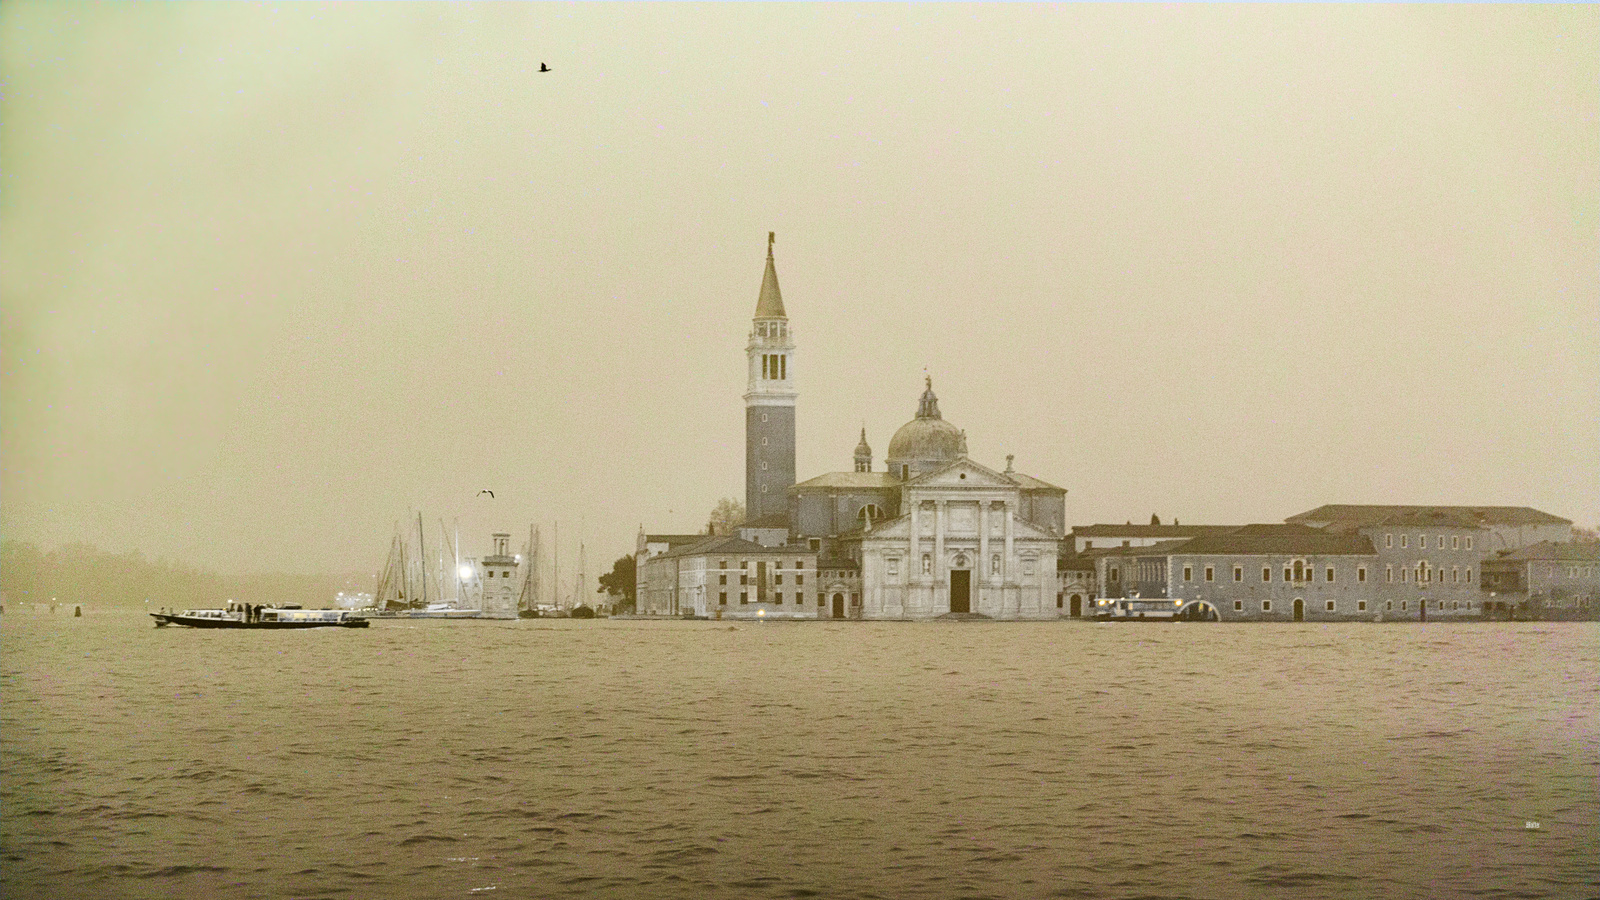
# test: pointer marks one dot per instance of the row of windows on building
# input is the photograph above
(1457, 542)
(777, 579)
(1361, 605)
(1300, 573)
(1574, 571)
(1423, 573)
(774, 366)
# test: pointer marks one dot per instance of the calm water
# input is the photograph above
(643, 759)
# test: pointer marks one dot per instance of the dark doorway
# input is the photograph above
(960, 590)
(1076, 609)
(1299, 610)
(838, 606)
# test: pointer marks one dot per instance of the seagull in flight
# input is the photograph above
(489, 492)
(543, 67)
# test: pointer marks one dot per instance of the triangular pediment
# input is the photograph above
(963, 473)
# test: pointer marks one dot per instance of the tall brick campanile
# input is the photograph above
(769, 403)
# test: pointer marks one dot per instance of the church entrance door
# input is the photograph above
(838, 606)
(960, 590)
(1077, 607)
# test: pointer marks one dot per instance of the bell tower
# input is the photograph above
(769, 403)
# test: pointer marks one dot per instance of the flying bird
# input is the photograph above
(489, 492)
(543, 67)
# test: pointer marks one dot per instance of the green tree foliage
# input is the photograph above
(621, 583)
(727, 515)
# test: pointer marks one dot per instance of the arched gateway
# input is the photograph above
(1198, 611)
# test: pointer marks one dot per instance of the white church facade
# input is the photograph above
(932, 534)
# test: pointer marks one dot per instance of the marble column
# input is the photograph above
(938, 541)
(914, 564)
(984, 577)
(1005, 564)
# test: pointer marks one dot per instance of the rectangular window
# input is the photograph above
(1405, 540)
(1469, 574)
(1288, 574)
(1329, 606)
(1388, 574)
(1116, 574)
(1469, 542)
(1441, 542)
(722, 579)
(1402, 605)
(1330, 573)
(1422, 542)
(1266, 606)
(778, 598)
(1455, 542)
(1388, 541)
(1211, 573)
(744, 596)
(1404, 573)
(1238, 573)
(1188, 573)
(1266, 573)
(799, 579)
(777, 579)
(1238, 606)
(1388, 604)
(722, 598)
(1361, 606)
(1361, 574)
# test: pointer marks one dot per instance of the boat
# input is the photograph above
(1133, 608)
(263, 617)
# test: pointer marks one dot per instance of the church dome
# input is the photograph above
(927, 442)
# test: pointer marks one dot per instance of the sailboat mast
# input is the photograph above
(422, 558)
(555, 579)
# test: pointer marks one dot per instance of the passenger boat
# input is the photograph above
(266, 617)
(1135, 609)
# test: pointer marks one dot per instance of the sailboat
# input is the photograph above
(528, 598)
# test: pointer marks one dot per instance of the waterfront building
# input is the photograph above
(933, 533)
(1509, 527)
(1102, 536)
(1544, 580)
(727, 576)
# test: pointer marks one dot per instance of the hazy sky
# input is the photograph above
(275, 275)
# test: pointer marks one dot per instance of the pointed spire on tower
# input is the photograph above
(770, 304)
(863, 453)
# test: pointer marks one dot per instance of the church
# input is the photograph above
(933, 533)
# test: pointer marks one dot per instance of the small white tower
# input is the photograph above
(498, 597)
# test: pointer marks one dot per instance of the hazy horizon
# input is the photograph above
(277, 276)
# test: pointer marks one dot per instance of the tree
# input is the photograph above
(727, 515)
(1582, 535)
(621, 583)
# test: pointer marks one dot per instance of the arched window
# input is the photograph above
(927, 564)
(994, 567)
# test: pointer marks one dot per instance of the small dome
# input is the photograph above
(926, 442)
